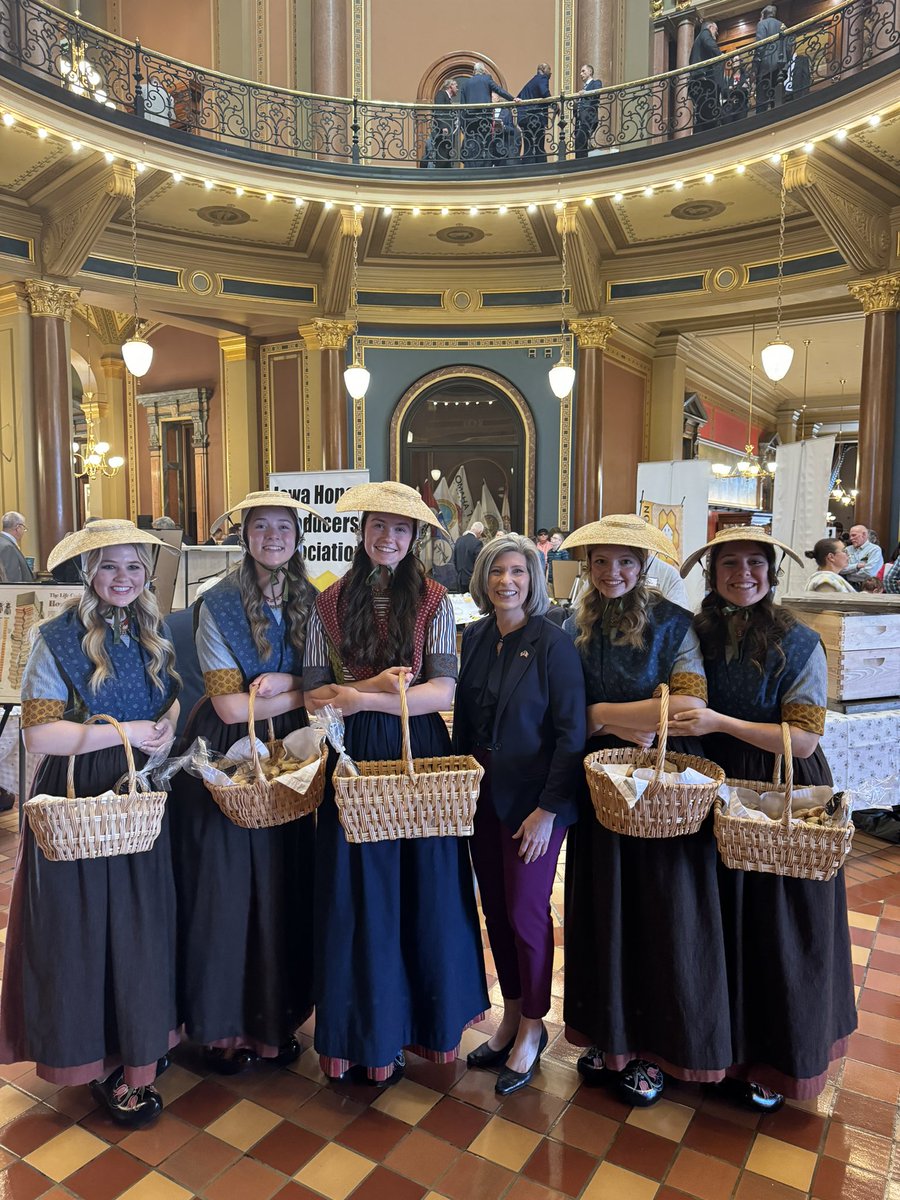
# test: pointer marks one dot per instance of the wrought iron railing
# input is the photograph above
(834, 52)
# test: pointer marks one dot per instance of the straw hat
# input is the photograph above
(388, 497)
(738, 533)
(266, 499)
(623, 529)
(99, 534)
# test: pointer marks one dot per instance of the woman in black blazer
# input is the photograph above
(520, 709)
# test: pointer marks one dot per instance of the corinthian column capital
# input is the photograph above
(51, 299)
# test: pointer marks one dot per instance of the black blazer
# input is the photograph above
(539, 728)
(477, 90)
(537, 88)
(586, 106)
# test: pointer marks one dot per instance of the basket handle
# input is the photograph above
(129, 756)
(251, 733)
(663, 739)
(404, 727)
(788, 772)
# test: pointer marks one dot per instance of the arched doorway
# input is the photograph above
(457, 65)
(471, 423)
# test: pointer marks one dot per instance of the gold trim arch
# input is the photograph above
(482, 375)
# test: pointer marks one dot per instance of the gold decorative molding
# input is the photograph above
(51, 299)
(268, 353)
(881, 294)
(236, 349)
(852, 217)
(112, 366)
(358, 41)
(592, 333)
(12, 300)
(330, 334)
(656, 9)
(74, 217)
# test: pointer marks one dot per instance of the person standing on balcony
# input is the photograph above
(587, 114)
(477, 121)
(533, 118)
(443, 130)
(707, 85)
(770, 60)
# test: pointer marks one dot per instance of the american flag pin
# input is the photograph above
(523, 654)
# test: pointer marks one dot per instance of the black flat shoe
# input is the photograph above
(131, 1107)
(592, 1067)
(641, 1083)
(751, 1095)
(483, 1056)
(288, 1052)
(509, 1081)
(162, 1065)
(223, 1063)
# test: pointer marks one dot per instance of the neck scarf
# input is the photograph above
(610, 614)
(737, 618)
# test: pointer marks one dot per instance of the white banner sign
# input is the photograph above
(328, 544)
(22, 606)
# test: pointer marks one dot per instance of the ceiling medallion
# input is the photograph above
(697, 210)
(460, 235)
(222, 214)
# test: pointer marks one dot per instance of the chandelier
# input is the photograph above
(840, 494)
(91, 459)
(562, 374)
(356, 377)
(778, 355)
(78, 73)
(751, 465)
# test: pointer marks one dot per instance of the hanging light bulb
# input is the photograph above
(778, 355)
(356, 377)
(562, 374)
(137, 351)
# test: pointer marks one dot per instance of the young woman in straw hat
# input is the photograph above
(245, 895)
(520, 711)
(398, 947)
(787, 940)
(645, 982)
(89, 979)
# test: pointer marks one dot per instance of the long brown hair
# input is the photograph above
(766, 622)
(360, 638)
(632, 624)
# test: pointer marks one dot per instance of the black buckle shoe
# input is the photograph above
(133, 1107)
(592, 1067)
(483, 1056)
(288, 1052)
(641, 1083)
(509, 1081)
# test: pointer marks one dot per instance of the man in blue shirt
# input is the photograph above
(866, 558)
(533, 117)
(477, 121)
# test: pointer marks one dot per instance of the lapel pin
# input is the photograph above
(523, 654)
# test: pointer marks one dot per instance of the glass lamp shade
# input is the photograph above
(102, 447)
(356, 380)
(562, 377)
(777, 357)
(138, 355)
(721, 469)
(771, 465)
(116, 462)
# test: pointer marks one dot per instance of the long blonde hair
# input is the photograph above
(147, 620)
(632, 623)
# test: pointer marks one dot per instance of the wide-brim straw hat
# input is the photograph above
(623, 529)
(265, 499)
(104, 532)
(738, 533)
(388, 497)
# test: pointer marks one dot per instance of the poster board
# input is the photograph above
(22, 607)
(681, 483)
(802, 482)
(329, 543)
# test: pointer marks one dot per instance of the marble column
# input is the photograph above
(114, 490)
(685, 33)
(596, 38)
(241, 416)
(18, 485)
(592, 334)
(331, 58)
(51, 307)
(879, 404)
(332, 338)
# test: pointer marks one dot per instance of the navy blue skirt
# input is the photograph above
(398, 959)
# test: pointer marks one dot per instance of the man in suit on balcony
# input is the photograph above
(587, 115)
(477, 121)
(771, 60)
(533, 118)
(443, 129)
(707, 85)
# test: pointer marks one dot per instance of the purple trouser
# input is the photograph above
(515, 899)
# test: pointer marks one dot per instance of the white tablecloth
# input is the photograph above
(862, 746)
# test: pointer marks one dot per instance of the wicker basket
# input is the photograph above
(266, 803)
(663, 810)
(784, 847)
(70, 828)
(409, 798)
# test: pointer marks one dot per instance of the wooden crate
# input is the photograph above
(862, 645)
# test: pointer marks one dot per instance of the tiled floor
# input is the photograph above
(442, 1133)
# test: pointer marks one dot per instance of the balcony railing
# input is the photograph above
(826, 56)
